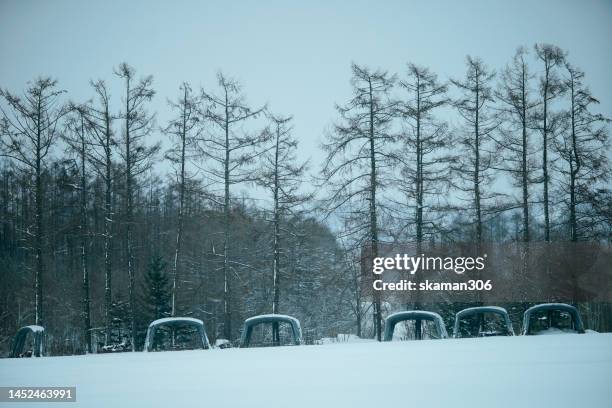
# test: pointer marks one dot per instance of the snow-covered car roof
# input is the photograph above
(576, 319)
(270, 318)
(551, 306)
(397, 317)
(420, 314)
(482, 309)
(176, 321)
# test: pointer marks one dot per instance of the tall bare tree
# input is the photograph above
(425, 157)
(582, 145)
(230, 151)
(184, 130)
(517, 105)
(102, 146)
(551, 86)
(78, 139)
(475, 167)
(30, 126)
(282, 175)
(138, 124)
(359, 159)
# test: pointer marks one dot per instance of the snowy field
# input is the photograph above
(538, 371)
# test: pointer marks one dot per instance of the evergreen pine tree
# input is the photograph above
(156, 291)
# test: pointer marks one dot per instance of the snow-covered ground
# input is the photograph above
(538, 371)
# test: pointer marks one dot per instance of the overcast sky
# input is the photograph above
(294, 55)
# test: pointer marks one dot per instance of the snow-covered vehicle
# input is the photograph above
(483, 321)
(176, 333)
(414, 325)
(271, 330)
(552, 318)
(29, 341)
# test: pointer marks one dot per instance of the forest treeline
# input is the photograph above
(95, 243)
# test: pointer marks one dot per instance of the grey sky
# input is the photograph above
(296, 56)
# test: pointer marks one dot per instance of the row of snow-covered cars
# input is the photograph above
(484, 321)
(180, 333)
(257, 331)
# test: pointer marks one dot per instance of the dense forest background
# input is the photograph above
(102, 230)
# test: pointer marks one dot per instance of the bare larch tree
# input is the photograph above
(551, 86)
(137, 157)
(516, 106)
(359, 159)
(582, 146)
(426, 141)
(282, 175)
(102, 146)
(77, 137)
(30, 126)
(184, 130)
(476, 163)
(229, 153)
(425, 158)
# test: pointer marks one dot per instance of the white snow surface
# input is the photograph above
(553, 331)
(570, 370)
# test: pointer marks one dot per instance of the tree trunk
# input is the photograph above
(227, 292)
(179, 229)
(419, 169)
(108, 215)
(129, 220)
(373, 221)
(477, 162)
(545, 156)
(84, 237)
(524, 175)
(38, 240)
(276, 272)
(419, 191)
(573, 170)
(38, 243)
